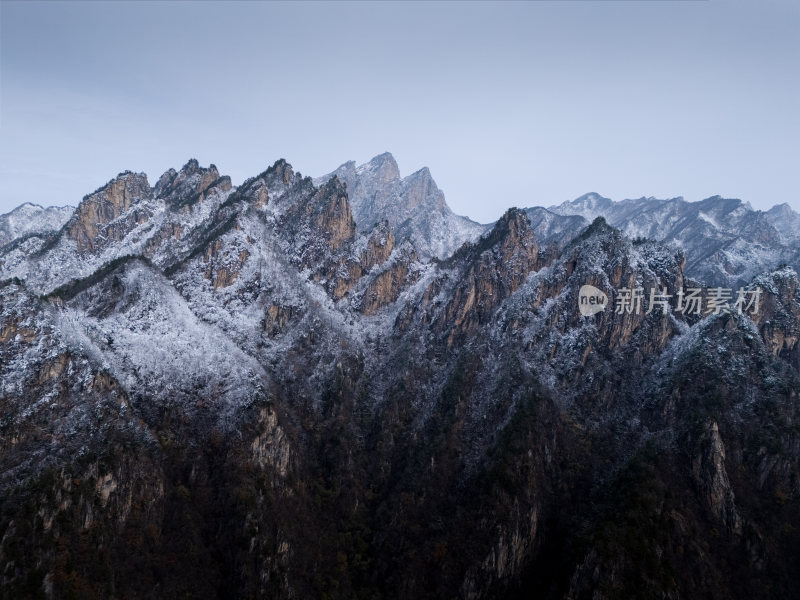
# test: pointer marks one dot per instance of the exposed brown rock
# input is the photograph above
(345, 272)
(708, 468)
(500, 263)
(379, 246)
(223, 264)
(276, 319)
(88, 226)
(386, 287)
(190, 184)
(262, 197)
(13, 328)
(270, 449)
(778, 315)
(331, 216)
(167, 231)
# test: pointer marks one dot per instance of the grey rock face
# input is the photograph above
(414, 206)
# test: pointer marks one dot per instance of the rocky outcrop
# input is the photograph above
(379, 246)
(392, 278)
(347, 269)
(495, 267)
(276, 319)
(168, 231)
(711, 477)
(778, 313)
(329, 213)
(654, 269)
(320, 224)
(414, 206)
(323, 233)
(223, 264)
(188, 186)
(91, 225)
(506, 558)
(270, 447)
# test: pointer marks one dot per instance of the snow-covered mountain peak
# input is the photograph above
(27, 208)
(721, 204)
(589, 206)
(187, 185)
(31, 218)
(414, 206)
(785, 220)
(87, 225)
(781, 209)
(726, 241)
(591, 199)
(124, 180)
(382, 167)
(421, 189)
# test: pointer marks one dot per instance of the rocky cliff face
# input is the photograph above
(414, 206)
(210, 390)
(492, 270)
(89, 225)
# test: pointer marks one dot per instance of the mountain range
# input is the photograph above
(338, 388)
(725, 240)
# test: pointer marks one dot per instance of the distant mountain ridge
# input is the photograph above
(725, 240)
(32, 218)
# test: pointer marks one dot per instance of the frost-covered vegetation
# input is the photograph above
(253, 389)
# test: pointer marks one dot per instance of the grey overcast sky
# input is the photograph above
(509, 104)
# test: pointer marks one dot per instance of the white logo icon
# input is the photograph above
(591, 300)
